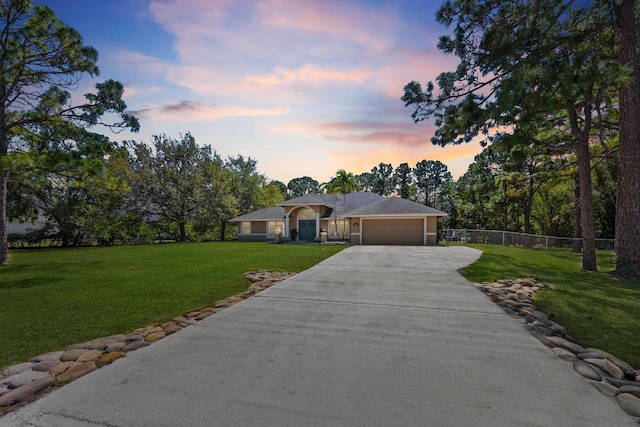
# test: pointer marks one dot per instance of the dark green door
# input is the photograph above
(307, 229)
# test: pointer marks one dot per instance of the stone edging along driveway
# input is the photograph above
(608, 374)
(24, 382)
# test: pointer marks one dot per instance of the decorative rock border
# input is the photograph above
(24, 382)
(608, 374)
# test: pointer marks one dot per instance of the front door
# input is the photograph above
(307, 230)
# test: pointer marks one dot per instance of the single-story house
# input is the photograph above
(361, 218)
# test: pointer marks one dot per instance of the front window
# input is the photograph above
(339, 232)
(307, 213)
(275, 227)
(245, 228)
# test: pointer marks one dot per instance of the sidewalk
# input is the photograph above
(374, 336)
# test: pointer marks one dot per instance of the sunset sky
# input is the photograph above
(304, 87)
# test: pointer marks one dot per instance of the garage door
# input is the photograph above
(408, 232)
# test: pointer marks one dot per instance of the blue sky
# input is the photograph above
(304, 87)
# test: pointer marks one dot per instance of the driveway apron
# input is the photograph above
(373, 336)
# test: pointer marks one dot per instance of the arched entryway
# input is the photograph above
(307, 225)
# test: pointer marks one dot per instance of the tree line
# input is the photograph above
(172, 189)
(554, 74)
(551, 88)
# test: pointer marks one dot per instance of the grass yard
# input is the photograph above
(597, 309)
(51, 298)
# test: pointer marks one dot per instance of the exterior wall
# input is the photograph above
(259, 227)
(432, 230)
(252, 238)
(258, 232)
(432, 224)
(355, 230)
(393, 231)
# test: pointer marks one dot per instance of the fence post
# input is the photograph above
(503, 238)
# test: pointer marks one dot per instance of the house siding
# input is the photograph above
(258, 232)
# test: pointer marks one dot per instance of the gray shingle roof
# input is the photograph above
(346, 205)
(274, 213)
(307, 199)
(395, 206)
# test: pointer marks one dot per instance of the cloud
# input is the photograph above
(363, 133)
(131, 90)
(196, 111)
(309, 73)
(344, 21)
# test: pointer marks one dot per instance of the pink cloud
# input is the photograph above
(309, 73)
(131, 90)
(339, 20)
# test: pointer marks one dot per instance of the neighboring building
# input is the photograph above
(357, 218)
(22, 228)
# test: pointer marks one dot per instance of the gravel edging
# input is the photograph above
(25, 382)
(611, 376)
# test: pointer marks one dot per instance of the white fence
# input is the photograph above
(510, 238)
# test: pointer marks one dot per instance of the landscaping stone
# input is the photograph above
(586, 370)
(72, 355)
(627, 369)
(116, 346)
(564, 354)
(45, 365)
(610, 375)
(171, 329)
(134, 345)
(133, 337)
(621, 383)
(26, 391)
(590, 355)
(635, 390)
(605, 388)
(15, 369)
(572, 347)
(629, 403)
(54, 355)
(76, 372)
(62, 367)
(203, 315)
(607, 366)
(23, 378)
(89, 355)
(107, 358)
(155, 336)
(188, 322)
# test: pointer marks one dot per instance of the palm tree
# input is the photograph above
(343, 183)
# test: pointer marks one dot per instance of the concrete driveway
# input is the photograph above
(374, 336)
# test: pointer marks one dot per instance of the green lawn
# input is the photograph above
(597, 309)
(51, 298)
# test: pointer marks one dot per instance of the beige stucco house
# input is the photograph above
(357, 218)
